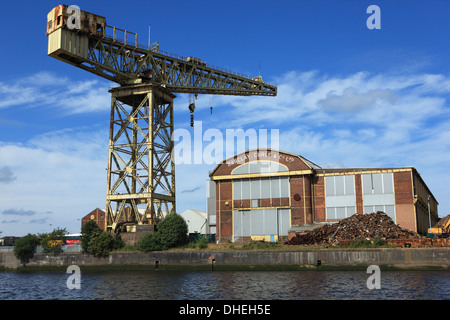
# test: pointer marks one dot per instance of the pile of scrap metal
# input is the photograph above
(357, 226)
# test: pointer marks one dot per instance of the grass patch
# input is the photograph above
(377, 242)
(259, 245)
(128, 248)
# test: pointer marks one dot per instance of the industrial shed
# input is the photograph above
(262, 194)
(195, 220)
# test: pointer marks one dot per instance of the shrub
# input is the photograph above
(378, 242)
(202, 244)
(170, 232)
(97, 242)
(25, 248)
(173, 230)
(152, 242)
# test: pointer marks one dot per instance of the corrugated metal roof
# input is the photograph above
(311, 164)
(198, 212)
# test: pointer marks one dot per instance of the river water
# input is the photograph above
(225, 285)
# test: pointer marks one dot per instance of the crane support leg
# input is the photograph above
(141, 170)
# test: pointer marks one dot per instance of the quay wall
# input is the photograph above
(394, 257)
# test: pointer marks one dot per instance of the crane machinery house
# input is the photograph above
(265, 195)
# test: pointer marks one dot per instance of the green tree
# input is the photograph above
(53, 242)
(25, 248)
(100, 243)
(118, 243)
(88, 230)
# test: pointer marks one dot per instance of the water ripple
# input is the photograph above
(225, 285)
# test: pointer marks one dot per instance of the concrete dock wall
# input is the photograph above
(395, 257)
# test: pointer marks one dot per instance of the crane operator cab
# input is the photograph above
(69, 30)
(72, 17)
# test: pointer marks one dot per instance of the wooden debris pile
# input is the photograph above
(357, 226)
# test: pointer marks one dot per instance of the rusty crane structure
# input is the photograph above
(141, 169)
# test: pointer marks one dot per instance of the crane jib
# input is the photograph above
(116, 55)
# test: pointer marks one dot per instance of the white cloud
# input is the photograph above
(315, 99)
(49, 90)
(59, 174)
(18, 212)
(352, 100)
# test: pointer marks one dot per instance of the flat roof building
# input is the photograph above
(261, 194)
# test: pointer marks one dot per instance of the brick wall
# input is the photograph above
(320, 206)
(404, 200)
(301, 199)
(224, 205)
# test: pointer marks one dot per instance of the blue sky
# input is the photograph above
(347, 96)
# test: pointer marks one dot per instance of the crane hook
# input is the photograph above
(191, 109)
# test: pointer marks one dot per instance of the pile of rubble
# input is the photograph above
(358, 226)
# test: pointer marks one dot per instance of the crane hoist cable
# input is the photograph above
(192, 99)
(211, 108)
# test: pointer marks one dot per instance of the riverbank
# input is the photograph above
(299, 259)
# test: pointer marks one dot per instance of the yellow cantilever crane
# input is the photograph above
(141, 170)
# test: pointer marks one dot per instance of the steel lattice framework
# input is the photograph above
(141, 170)
(122, 63)
(134, 149)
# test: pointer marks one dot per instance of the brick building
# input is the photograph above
(262, 194)
(98, 215)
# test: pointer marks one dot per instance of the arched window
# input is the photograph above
(260, 167)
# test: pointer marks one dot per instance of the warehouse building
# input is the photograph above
(262, 194)
(196, 221)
